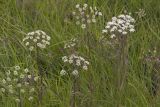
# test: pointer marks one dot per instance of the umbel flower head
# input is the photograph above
(121, 25)
(141, 13)
(85, 15)
(76, 62)
(19, 81)
(71, 43)
(36, 39)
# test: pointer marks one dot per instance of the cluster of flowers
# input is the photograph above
(85, 14)
(120, 25)
(19, 81)
(76, 62)
(70, 43)
(35, 39)
(141, 13)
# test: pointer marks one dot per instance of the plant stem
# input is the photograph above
(122, 68)
(20, 103)
(41, 78)
(73, 96)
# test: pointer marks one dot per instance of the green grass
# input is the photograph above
(49, 16)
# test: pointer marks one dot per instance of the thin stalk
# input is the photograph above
(41, 78)
(91, 87)
(124, 61)
(73, 96)
(20, 103)
(122, 68)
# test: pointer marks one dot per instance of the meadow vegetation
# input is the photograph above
(79, 53)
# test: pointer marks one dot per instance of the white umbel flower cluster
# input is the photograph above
(85, 15)
(19, 80)
(35, 39)
(121, 25)
(76, 62)
(141, 13)
(71, 43)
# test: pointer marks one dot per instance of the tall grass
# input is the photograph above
(53, 17)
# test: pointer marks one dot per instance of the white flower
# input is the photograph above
(16, 80)
(31, 48)
(84, 15)
(15, 72)
(132, 30)
(31, 37)
(29, 76)
(85, 67)
(121, 25)
(83, 26)
(120, 30)
(4, 81)
(17, 67)
(78, 5)
(43, 36)
(86, 62)
(30, 98)
(74, 13)
(26, 70)
(85, 5)
(70, 61)
(124, 33)
(141, 13)
(107, 27)
(22, 90)
(78, 62)
(48, 38)
(8, 73)
(35, 39)
(88, 21)
(64, 58)
(113, 36)
(114, 18)
(10, 86)
(75, 73)
(100, 13)
(71, 43)
(63, 72)
(104, 31)
(36, 78)
(3, 90)
(32, 90)
(17, 100)
(27, 43)
(94, 20)
(22, 76)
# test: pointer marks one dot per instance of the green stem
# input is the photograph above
(73, 97)
(20, 103)
(122, 67)
(41, 77)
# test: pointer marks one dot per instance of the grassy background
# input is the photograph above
(53, 17)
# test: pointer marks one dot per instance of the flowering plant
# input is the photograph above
(19, 83)
(36, 39)
(84, 15)
(121, 25)
(76, 62)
